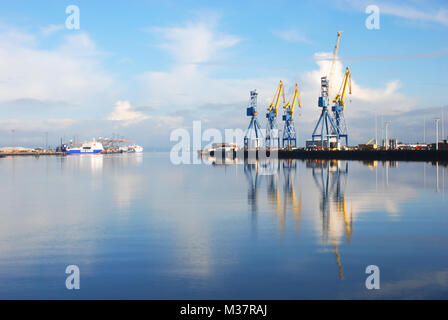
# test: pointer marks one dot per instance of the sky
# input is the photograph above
(141, 69)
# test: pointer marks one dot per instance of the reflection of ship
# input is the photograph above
(327, 176)
(218, 161)
(221, 150)
(86, 148)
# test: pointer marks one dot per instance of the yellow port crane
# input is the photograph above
(272, 131)
(339, 105)
(333, 62)
(289, 130)
(293, 100)
(273, 107)
(346, 82)
(368, 145)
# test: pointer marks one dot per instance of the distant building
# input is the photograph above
(318, 143)
(392, 144)
(15, 149)
(443, 145)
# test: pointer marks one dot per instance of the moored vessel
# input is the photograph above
(91, 147)
(135, 148)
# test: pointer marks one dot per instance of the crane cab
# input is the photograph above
(251, 112)
(271, 115)
(287, 117)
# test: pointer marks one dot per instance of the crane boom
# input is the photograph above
(280, 92)
(295, 98)
(346, 81)
(333, 62)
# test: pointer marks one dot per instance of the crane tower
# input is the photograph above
(338, 108)
(328, 132)
(272, 131)
(289, 130)
(254, 126)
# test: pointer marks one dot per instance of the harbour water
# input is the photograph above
(138, 226)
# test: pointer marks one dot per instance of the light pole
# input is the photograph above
(424, 130)
(443, 124)
(13, 137)
(376, 129)
(437, 132)
(386, 140)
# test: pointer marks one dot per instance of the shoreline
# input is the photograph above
(38, 154)
(356, 155)
(393, 155)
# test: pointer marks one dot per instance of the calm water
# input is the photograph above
(139, 227)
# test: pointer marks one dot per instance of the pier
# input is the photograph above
(28, 153)
(384, 155)
(395, 155)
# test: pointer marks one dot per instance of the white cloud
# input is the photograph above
(195, 43)
(36, 125)
(291, 35)
(405, 11)
(363, 101)
(123, 112)
(71, 72)
(126, 115)
(187, 83)
(50, 29)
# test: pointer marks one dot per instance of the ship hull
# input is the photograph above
(78, 151)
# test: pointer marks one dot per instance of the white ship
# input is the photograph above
(135, 148)
(86, 148)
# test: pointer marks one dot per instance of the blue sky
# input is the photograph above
(144, 68)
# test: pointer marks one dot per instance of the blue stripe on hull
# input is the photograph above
(84, 152)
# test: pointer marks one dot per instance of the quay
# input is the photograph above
(393, 155)
(369, 155)
(36, 154)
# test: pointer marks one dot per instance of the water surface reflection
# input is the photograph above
(140, 227)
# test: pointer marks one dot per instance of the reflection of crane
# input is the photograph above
(289, 195)
(333, 61)
(272, 131)
(253, 125)
(251, 172)
(372, 164)
(338, 261)
(274, 199)
(338, 108)
(332, 192)
(289, 171)
(339, 199)
(289, 131)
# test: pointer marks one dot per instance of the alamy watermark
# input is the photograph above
(73, 280)
(373, 20)
(188, 146)
(373, 280)
(72, 22)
